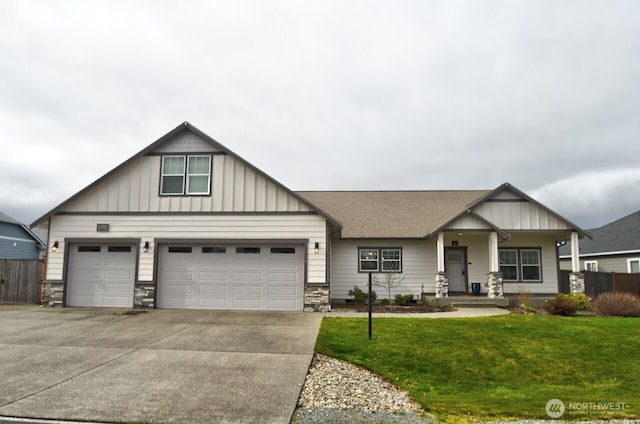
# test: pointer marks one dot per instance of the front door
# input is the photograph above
(456, 267)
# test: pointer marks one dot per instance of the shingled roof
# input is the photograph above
(622, 235)
(392, 214)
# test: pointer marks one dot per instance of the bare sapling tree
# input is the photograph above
(388, 280)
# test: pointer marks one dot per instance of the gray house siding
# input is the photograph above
(16, 243)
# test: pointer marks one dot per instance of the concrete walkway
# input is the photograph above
(459, 313)
(160, 366)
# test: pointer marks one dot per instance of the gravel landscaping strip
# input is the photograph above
(339, 392)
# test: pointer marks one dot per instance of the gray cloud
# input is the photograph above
(330, 95)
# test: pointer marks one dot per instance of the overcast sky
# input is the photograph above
(336, 95)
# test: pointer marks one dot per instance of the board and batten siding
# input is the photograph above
(235, 187)
(191, 228)
(516, 215)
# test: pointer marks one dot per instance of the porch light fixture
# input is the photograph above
(316, 248)
(145, 249)
(54, 248)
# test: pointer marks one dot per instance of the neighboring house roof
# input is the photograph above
(9, 220)
(410, 214)
(618, 237)
(185, 126)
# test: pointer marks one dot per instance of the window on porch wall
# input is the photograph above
(520, 265)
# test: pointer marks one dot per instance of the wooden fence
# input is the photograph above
(596, 283)
(20, 281)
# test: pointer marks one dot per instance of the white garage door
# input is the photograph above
(101, 275)
(231, 277)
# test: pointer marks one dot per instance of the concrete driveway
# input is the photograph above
(160, 366)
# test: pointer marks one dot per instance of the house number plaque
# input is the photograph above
(103, 228)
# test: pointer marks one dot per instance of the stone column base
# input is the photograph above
(576, 282)
(316, 299)
(494, 283)
(52, 293)
(442, 285)
(144, 295)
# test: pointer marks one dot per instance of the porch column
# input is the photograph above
(576, 279)
(442, 283)
(494, 277)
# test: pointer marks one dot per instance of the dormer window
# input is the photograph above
(186, 175)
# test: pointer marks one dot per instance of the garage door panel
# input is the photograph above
(242, 277)
(214, 303)
(179, 289)
(255, 290)
(213, 276)
(213, 289)
(281, 277)
(247, 304)
(116, 301)
(282, 291)
(283, 304)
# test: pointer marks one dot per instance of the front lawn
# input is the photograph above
(504, 366)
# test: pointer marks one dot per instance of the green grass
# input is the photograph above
(508, 366)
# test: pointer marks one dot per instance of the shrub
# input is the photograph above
(619, 304)
(360, 297)
(385, 302)
(582, 300)
(524, 297)
(404, 300)
(562, 304)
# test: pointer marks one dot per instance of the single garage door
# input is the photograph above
(261, 277)
(101, 275)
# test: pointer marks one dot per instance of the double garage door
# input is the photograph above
(267, 277)
(260, 277)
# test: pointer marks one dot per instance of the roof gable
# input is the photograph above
(133, 186)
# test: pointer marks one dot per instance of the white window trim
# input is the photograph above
(516, 265)
(380, 259)
(519, 266)
(360, 260)
(188, 176)
(162, 175)
(538, 265)
(629, 263)
(185, 176)
(383, 260)
(594, 264)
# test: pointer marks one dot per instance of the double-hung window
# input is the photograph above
(186, 175)
(591, 266)
(378, 259)
(520, 265)
(633, 265)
